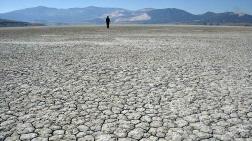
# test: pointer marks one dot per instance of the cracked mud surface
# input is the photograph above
(129, 83)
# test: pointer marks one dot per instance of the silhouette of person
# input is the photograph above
(107, 21)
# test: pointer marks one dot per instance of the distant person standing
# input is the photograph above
(107, 21)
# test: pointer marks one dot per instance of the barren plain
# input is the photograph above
(129, 83)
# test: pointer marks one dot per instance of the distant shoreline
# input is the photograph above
(122, 25)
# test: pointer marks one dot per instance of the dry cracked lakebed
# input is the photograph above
(129, 83)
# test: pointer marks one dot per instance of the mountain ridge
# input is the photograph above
(96, 15)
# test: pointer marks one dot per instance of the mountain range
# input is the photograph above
(96, 15)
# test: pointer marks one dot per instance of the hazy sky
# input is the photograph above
(193, 6)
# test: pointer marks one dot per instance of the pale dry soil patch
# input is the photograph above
(147, 83)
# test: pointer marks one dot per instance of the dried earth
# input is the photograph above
(129, 83)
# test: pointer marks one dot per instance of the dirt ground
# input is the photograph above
(128, 83)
